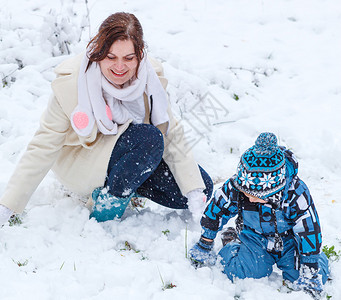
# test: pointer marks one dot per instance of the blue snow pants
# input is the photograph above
(136, 166)
(249, 258)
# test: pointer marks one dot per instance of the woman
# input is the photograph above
(108, 131)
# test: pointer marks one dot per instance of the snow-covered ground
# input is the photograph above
(235, 68)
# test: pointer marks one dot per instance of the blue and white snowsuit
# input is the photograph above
(294, 222)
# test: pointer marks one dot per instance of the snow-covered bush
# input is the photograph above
(60, 31)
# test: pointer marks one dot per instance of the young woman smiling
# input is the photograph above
(108, 132)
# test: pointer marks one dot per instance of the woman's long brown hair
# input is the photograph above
(118, 26)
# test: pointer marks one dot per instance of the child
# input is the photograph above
(276, 223)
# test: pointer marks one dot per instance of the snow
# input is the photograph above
(235, 69)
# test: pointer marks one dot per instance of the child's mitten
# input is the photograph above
(309, 280)
(202, 254)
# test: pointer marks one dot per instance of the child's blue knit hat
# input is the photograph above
(261, 171)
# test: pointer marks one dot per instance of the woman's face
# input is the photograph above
(121, 62)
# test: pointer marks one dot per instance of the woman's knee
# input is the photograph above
(149, 138)
(149, 134)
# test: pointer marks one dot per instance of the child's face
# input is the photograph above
(254, 199)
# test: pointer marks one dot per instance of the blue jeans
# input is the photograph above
(136, 166)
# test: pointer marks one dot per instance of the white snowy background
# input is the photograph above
(235, 68)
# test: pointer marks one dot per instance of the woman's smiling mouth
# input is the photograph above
(118, 74)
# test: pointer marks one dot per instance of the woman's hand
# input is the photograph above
(196, 203)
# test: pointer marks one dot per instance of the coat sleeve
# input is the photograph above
(177, 153)
(38, 158)
(306, 222)
(219, 210)
(180, 160)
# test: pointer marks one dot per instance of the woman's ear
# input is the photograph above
(143, 53)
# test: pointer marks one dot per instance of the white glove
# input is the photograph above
(196, 201)
(5, 214)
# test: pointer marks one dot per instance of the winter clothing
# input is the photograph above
(249, 258)
(81, 162)
(136, 166)
(202, 254)
(196, 201)
(286, 232)
(119, 105)
(136, 155)
(309, 281)
(106, 206)
(261, 171)
(5, 214)
(161, 187)
(229, 235)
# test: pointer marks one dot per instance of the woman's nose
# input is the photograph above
(119, 65)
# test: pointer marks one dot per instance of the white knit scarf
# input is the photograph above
(119, 104)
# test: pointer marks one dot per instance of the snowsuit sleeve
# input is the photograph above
(306, 224)
(38, 159)
(222, 207)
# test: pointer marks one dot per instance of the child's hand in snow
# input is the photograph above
(309, 281)
(202, 254)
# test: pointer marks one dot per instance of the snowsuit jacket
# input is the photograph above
(296, 215)
(80, 163)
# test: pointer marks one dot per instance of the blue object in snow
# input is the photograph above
(106, 206)
(202, 254)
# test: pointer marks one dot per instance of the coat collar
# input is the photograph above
(65, 85)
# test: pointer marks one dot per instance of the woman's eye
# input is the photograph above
(111, 57)
(130, 58)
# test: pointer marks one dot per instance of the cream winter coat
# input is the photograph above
(80, 163)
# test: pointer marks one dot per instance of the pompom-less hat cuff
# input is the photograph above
(254, 192)
(273, 198)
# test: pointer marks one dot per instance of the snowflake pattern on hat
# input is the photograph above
(261, 171)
